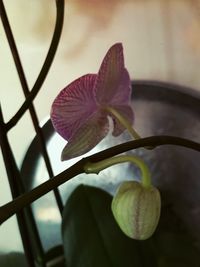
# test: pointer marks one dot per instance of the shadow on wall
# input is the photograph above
(94, 15)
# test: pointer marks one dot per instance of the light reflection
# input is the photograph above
(45, 208)
(48, 214)
(108, 179)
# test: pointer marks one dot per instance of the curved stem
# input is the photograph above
(124, 122)
(46, 66)
(22, 201)
(152, 141)
(101, 165)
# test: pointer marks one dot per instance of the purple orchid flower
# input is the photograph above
(80, 111)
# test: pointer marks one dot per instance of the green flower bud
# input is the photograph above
(136, 209)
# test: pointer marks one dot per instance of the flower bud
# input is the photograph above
(136, 209)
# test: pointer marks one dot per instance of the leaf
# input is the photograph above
(55, 257)
(92, 238)
(175, 247)
(13, 259)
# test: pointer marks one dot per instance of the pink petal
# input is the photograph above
(87, 136)
(112, 77)
(127, 113)
(74, 104)
(123, 90)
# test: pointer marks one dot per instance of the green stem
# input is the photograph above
(101, 165)
(124, 122)
(26, 199)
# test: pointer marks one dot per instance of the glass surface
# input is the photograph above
(160, 109)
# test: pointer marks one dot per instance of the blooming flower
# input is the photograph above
(80, 111)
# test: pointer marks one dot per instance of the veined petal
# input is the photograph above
(87, 136)
(123, 90)
(110, 75)
(127, 113)
(73, 106)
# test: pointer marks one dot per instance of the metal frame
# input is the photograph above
(29, 233)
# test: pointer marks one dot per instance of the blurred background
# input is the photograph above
(161, 40)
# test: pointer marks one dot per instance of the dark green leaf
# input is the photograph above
(174, 244)
(55, 257)
(13, 259)
(93, 239)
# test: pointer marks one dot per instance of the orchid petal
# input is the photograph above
(123, 90)
(73, 106)
(110, 74)
(127, 113)
(87, 136)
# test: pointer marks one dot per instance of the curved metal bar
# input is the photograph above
(14, 173)
(16, 189)
(46, 66)
(42, 75)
